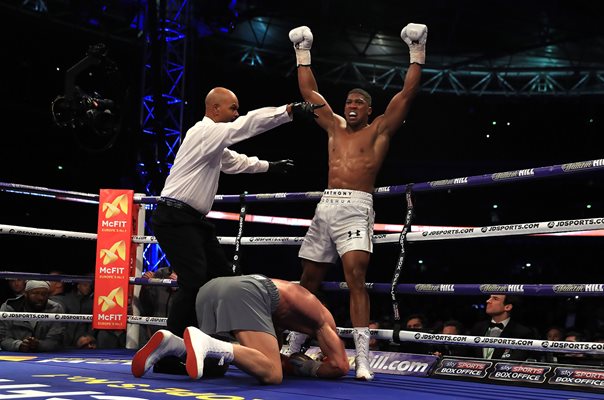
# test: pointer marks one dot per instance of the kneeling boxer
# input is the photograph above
(255, 310)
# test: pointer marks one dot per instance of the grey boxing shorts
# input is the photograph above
(232, 303)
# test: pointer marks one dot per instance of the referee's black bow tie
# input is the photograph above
(495, 325)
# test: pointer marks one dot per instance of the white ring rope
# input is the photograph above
(49, 233)
(44, 191)
(531, 228)
(483, 341)
(56, 317)
(381, 334)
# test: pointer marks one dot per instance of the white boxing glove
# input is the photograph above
(416, 35)
(301, 37)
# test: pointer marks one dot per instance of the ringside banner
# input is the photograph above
(113, 259)
(389, 363)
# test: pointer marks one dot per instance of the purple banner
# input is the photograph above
(390, 363)
(465, 181)
(498, 177)
(582, 289)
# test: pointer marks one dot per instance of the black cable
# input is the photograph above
(237, 255)
(401, 255)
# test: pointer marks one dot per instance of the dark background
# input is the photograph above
(443, 137)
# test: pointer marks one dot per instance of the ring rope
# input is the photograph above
(401, 335)
(381, 334)
(77, 278)
(482, 341)
(480, 289)
(534, 228)
(476, 180)
(447, 289)
(55, 317)
(49, 233)
(56, 193)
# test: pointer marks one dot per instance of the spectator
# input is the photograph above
(556, 334)
(11, 288)
(571, 314)
(414, 322)
(78, 301)
(111, 338)
(575, 336)
(32, 336)
(86, 342)
(156, 300)
(17, 287)
(57, 289)
(595, 320)
(598, 358)
(452, 327)
(375, 344)
(499, 308)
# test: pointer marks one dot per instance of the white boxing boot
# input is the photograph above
(295, 341)
(162, 343)
(199, 346)
(361, 361)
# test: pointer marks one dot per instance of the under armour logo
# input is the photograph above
(350, 233)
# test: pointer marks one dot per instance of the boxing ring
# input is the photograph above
(103, 374)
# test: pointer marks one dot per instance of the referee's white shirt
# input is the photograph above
(203, 154)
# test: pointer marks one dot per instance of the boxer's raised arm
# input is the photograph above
(302, 39)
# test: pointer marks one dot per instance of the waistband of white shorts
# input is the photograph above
(344, 196)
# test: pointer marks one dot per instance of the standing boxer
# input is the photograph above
(343, 221)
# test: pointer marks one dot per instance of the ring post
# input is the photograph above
(133, 330)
